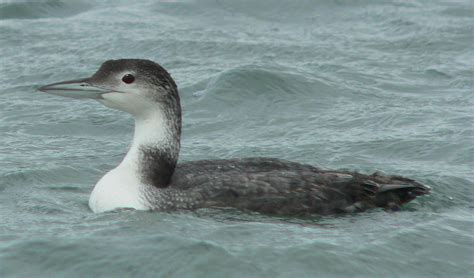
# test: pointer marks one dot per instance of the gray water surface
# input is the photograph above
(362, 85)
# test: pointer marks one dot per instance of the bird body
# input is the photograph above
(281, 187)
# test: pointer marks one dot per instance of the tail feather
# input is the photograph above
(395, 191)
(389, 192)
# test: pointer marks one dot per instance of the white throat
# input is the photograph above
(150, 131)
(122, 187)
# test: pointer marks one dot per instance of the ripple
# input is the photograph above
(42, 9)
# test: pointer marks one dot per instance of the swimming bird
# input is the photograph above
(149, 177)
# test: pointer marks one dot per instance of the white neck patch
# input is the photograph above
(122, 187)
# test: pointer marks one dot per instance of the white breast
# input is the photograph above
(119, 188)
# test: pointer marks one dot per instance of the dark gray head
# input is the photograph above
(147, 91)
(136, 86)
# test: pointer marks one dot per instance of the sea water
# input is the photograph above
(363, 85)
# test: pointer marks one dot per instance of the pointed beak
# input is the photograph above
(80, 88)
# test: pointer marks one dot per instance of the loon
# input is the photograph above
(149, 177)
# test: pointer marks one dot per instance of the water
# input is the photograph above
(365, 85)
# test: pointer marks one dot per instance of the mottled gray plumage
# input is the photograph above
(275, 186)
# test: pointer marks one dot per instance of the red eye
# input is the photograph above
(128, 78)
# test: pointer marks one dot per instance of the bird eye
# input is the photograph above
(128, 78)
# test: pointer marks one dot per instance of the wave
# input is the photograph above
(44, 9)
(259, 85)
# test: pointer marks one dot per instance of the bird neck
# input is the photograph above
(154, 151)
